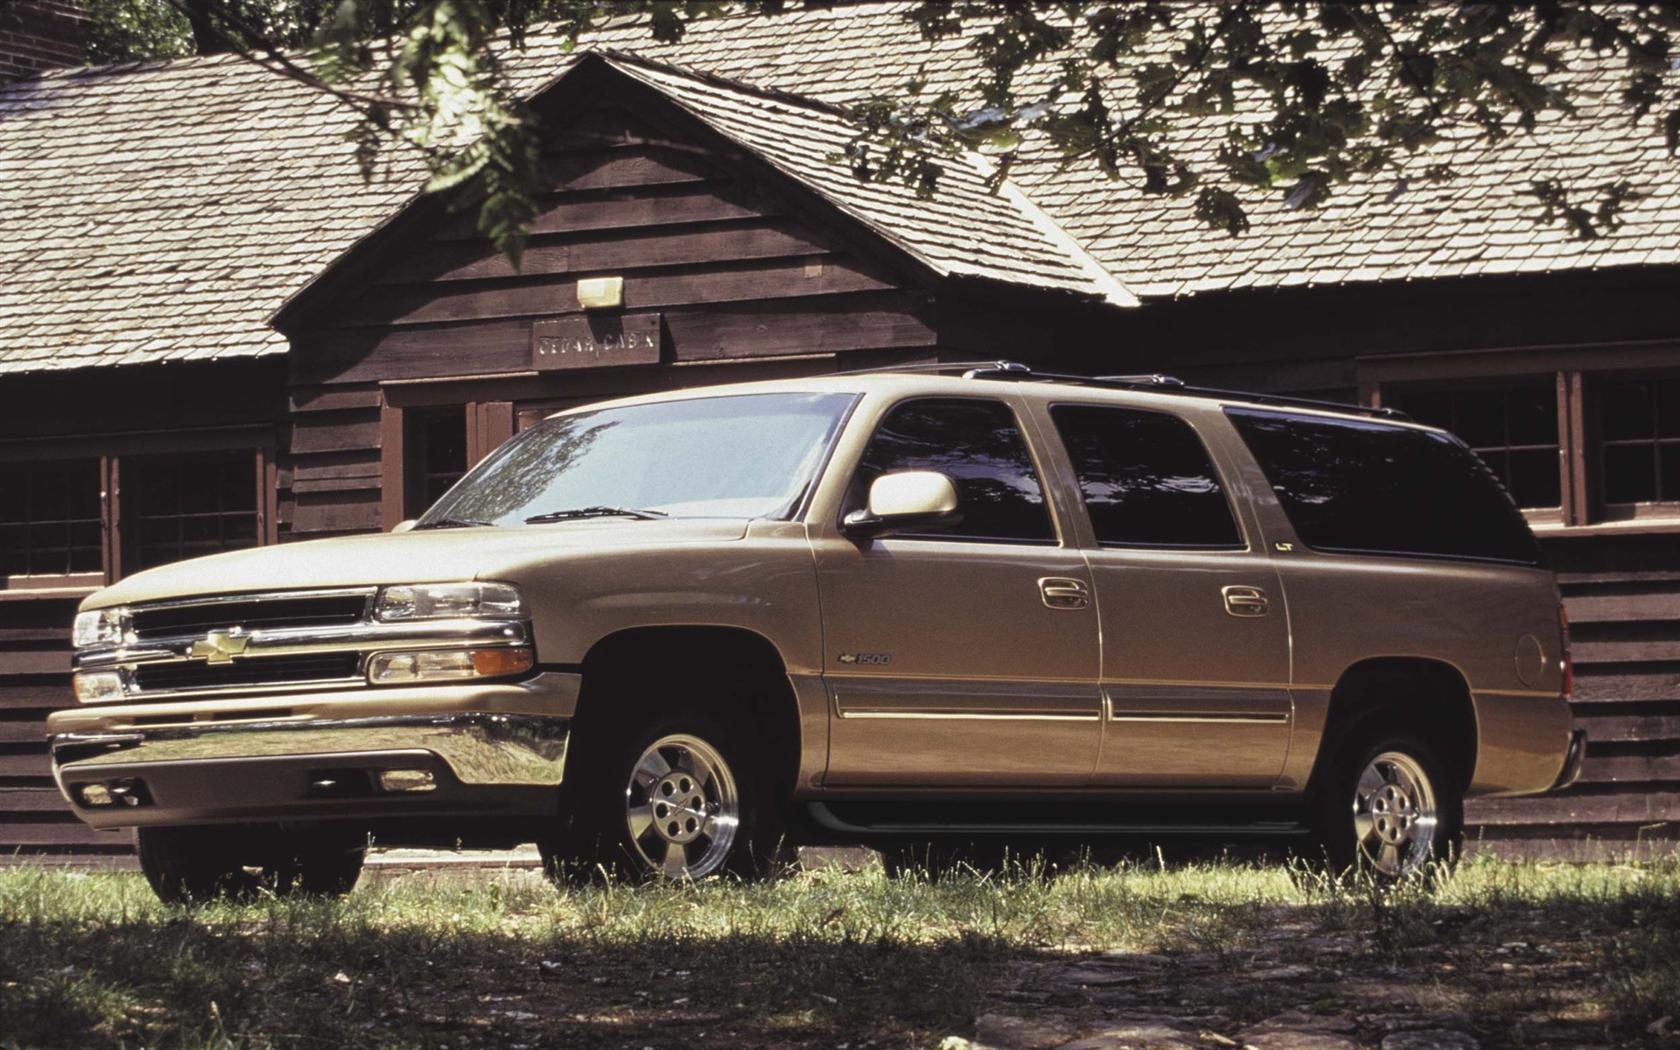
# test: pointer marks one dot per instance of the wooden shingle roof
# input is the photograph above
(162, 212)
(1480, 222)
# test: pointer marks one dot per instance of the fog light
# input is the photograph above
(96, 686)
(95, 795)
(407, 780)
(432, 665)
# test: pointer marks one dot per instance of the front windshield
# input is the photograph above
(738, 456)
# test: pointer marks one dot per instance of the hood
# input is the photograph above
(429, 556)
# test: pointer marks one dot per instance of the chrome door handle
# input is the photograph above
(1063, 593)
(1245, 601)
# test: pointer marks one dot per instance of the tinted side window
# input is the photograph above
(979, 446)
(1146, 478)
(1366, 486)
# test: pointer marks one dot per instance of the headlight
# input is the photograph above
(100, 627)
(432, 665)
(448, 601)
(94, 687)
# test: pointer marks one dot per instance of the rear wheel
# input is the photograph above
(1387, 804)
(201, 864)
(681, 799)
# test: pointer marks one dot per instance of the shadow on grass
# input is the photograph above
(1584, 955)
(183, 982)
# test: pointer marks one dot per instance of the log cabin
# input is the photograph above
(215, 332)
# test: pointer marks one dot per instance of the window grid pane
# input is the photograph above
(1514, 431)
(188, 506)
(1639, 446)
(440, 451)
(50, 519)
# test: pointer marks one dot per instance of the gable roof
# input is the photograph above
(164, 212)
(161, 212)
(1480, 222)
(964, 229)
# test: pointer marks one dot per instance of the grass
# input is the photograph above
(825, 958)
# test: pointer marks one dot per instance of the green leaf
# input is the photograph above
(1221, 210)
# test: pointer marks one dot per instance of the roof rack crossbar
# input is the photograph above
(968, 369)
(1164, 384)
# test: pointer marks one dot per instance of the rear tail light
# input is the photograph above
(1568, 663)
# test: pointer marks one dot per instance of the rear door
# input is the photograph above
(1195, 635)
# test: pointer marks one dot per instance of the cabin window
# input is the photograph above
(186, 505)
(1639, 440)
(50, 519)
(437, 453)
(1514, 429)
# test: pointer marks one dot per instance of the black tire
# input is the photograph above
(597, 836)
(185, 865)
(1384, 828)
(323, 866)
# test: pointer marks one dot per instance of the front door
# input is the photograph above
(1195, 636)
(966, 656)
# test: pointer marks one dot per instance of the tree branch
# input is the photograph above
(277, 61)
(1418, 83)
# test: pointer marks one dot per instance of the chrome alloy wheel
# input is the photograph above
(1394, 814)
(683, 808)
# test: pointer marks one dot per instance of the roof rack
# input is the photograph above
(968, 369)
(1154, 383)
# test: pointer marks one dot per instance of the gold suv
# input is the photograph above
(942, 608)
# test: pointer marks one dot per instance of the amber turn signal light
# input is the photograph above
(493, 663)
(435, 665)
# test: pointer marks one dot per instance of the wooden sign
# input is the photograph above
(596, 341)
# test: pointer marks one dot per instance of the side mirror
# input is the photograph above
(904, 502)
(404, 526)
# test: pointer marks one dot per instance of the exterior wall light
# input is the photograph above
(601, 293)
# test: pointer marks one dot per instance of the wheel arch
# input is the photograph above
(1430, 693)
(684, 654)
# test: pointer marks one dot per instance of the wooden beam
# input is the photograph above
(392, 475)
(489, 423)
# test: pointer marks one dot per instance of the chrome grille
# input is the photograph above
(271, 642)
(271, 670)
(250, 612)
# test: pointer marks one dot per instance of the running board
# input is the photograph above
(825, 818)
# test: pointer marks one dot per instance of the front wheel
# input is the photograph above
(680, 800)
(204, 863)
(1387, 804)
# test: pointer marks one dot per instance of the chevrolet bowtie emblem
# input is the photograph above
(219, 647)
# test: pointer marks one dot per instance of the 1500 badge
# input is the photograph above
(866, 659)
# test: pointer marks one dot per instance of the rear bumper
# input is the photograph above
(318, 767)
(1572, 761)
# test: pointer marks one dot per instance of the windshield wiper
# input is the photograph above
(596, 512)
(455, 523)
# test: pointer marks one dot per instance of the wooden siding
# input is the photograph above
(34, 679)
(1623, 599)
(722, 253)
(85, 414)
(330, 480)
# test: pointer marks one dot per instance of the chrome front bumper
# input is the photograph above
(478, 748)
(486, 748)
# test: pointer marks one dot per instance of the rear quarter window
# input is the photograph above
(1367, 487)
